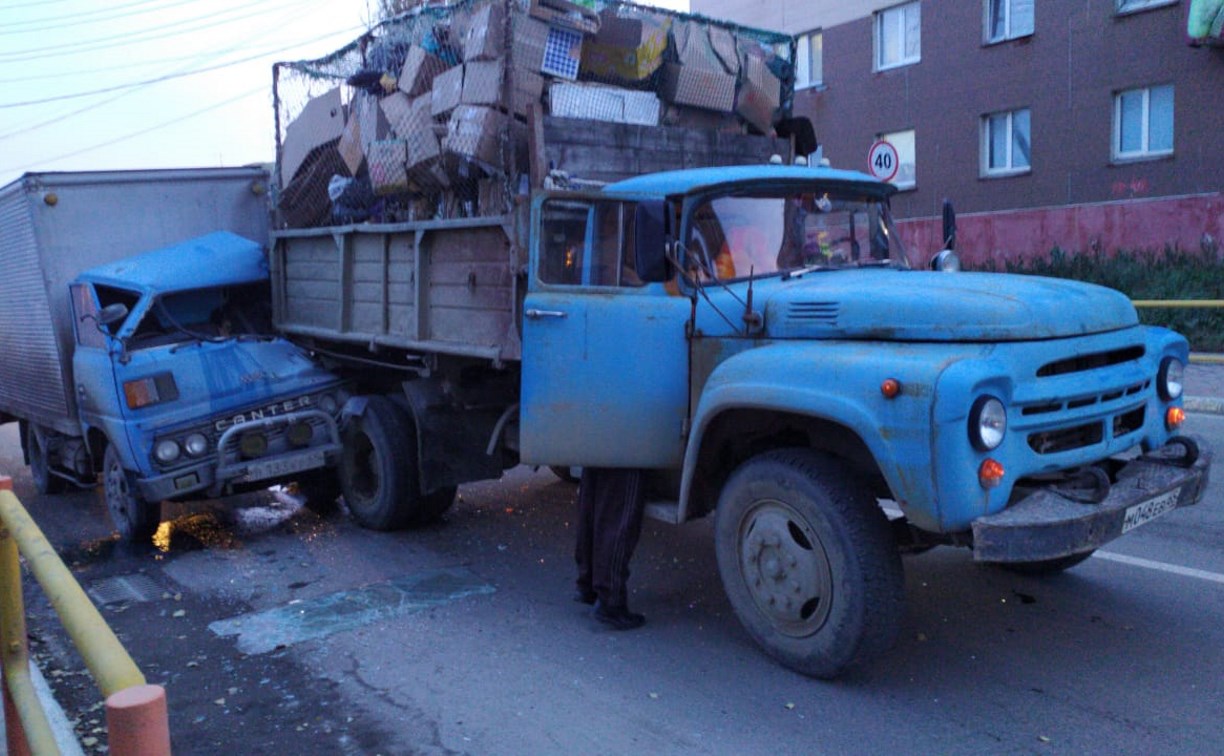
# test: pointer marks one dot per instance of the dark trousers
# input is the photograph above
(610, 504)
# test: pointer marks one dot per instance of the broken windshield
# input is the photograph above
(731, 236)
(205, 315)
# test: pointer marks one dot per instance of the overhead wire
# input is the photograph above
(80, 18)
(185, 26)
(142, 132)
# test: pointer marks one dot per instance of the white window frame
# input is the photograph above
(1144, 152)
(890, 137)
(1124, 7)
(803, 54)
(1010, 169)
(1008, 32)
(895, 17)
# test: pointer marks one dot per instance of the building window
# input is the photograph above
(809, 68)
(1008, 19)
(898, 36)
(1133, 6)
(1005, 143)
(1143, 123)
(906, 177)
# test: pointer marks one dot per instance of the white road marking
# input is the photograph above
(1174, 569)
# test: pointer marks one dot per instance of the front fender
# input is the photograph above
(838, 382)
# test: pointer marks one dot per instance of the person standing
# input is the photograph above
(610, 505)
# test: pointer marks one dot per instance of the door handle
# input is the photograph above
(539, 314)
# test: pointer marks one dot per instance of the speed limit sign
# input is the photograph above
(882, 160)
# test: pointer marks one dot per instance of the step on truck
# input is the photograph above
(579, 288)
(139, 353)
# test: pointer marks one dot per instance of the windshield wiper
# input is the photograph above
(805, 270)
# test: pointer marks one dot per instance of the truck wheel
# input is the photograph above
(808, 561)
(1046, 566)
(319, 491)
(134, 518)
(378, 471)
(40, 470)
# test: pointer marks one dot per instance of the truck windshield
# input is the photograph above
(205, 315)
(733, 235)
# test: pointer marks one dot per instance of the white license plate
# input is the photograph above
(276, 467)
(1149, 510)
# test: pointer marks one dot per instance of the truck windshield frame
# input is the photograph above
(212, 314)
(778, 231)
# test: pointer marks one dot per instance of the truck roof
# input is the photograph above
(221, 258)
(668, 183)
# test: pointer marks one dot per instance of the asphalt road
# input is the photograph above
(274, 631)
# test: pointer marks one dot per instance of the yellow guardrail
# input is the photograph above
(136, 715)
(1187, 304)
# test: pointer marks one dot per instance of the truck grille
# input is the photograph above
(1079, 436)
(1085, 362)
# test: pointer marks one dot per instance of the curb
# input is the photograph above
(1205, 405)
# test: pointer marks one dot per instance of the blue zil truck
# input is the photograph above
(571, 291)
(136, 328)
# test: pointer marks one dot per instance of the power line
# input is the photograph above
(129, 38)
(142, 132)
(159, 79)
(75, 19)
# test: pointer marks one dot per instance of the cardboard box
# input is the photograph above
(530, 37)
(320, 122)
(698, 87)
(387, 161)
(565, 14)
(424, 158)
(474, 132)
(350, 145)
(374, 125)
(484, 37)
(420, 68)
(483, 83)
(701, 45)
(528, 88)
(627, 48)
(696, 118)
(601, 103)
(562, 53)
(397, 108)
(447, 91)
(304, 201)
(760, 93)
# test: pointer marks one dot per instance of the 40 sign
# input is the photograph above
(883, 161)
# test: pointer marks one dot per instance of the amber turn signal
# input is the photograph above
(890, 388)
(990, 474)
(1174, 417)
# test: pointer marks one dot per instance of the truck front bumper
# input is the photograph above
(1049, 524)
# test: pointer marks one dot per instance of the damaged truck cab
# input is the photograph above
(183, 390)
(757, 337)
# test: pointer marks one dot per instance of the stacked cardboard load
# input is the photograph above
(434, 122)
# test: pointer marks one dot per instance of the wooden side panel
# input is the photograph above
(469, 289)
(600, 151)
(311, 279)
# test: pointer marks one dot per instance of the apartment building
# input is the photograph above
(1079, 124)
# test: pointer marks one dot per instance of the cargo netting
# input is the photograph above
(439, 113)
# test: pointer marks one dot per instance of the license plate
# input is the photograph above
(276, 467)
(1149, 510)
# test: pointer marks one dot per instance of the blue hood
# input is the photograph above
(903, 305)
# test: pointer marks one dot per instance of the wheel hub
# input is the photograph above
(785, 568)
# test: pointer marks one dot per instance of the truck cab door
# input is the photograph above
(97, 395)
(605, 355)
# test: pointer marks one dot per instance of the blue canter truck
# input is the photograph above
(138, 343)
(754, 335)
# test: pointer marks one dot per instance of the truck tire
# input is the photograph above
(1046, 566)
(378, 471)
(134, 518)
(45, 482)
(808, 561)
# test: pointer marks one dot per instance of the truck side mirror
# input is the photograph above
(112, 313)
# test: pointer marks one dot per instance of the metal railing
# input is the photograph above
(1186, 304)
(136, 716)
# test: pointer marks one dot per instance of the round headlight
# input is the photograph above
(196, 444)
(166, 451)
(253, 445)
(1169, 381)
(987, 423)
